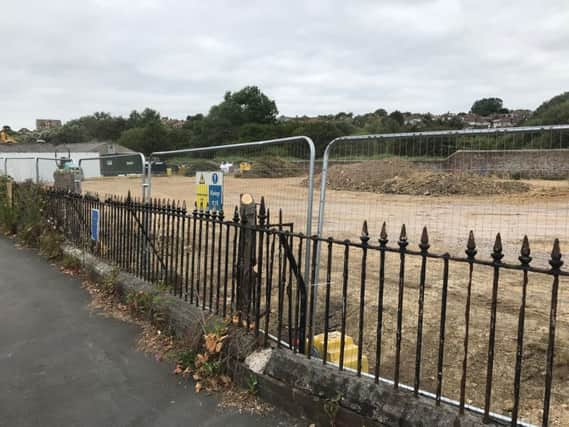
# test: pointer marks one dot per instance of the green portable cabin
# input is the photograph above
(114, 166)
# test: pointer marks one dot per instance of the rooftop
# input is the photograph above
(81, 147)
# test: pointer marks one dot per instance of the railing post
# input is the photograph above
(246, 258)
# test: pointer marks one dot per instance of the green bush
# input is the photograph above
(22, 214)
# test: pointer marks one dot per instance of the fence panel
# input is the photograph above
(514, 181)
(281, 169)
(20, 167)
(45, 169)
(120, 173)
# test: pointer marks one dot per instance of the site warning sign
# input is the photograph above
(95, 224)
(209, 190)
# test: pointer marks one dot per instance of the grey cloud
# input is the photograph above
(64, 59)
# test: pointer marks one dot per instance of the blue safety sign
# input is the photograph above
(215, 197)
(209, 190)
(95, 225)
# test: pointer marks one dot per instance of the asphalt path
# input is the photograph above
(61, 364)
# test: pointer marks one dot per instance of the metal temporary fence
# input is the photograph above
(36, 174)
(22, 174)
(476, 332)
(282, 170)
(41, 173)
(145, 192)
(501, 179)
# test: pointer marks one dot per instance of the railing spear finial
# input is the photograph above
(383, 234)
(525, 257)
(556, 261)
(471, 246)
(424, 244)
(497, 252)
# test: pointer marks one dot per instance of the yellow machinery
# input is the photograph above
(244, 166)
(334, 350)
(4, 137)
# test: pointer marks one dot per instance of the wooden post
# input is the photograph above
(246, 276)
(9, 192)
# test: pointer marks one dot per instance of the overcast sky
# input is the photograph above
(63, 59)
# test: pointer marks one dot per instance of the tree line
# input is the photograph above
(249, 115)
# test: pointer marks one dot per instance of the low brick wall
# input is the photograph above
(545, 164)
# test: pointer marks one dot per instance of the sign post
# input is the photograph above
(209, 190)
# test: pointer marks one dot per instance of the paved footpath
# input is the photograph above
(63, 365)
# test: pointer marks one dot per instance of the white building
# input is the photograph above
(19, 160)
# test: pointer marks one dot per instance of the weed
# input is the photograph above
(216, 327)
(186, 359)
(140, 303)
(50, 242)
(109, 284)
(69, 262)
(252, 385)
(162, 286)
(331, 407)
(207, 366)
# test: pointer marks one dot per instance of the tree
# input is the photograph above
(398, 117)
(146, 117)
(153, 137)
(343, 116)
(321, 132)
(553, 111)
(487, 106)
(249, 105)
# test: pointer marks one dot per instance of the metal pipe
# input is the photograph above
(485, 131)
(286, 140)
(118, 156)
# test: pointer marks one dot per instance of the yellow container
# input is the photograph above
(169, 171)
(334, 350)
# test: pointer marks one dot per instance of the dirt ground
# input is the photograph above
(542, 213)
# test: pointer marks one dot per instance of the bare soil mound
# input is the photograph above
(397, 176)
(272, 167)
(442, 184)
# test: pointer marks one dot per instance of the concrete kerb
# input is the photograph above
(302, 387)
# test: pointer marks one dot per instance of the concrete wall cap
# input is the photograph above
(258, 360)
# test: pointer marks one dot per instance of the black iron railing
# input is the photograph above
(416, 317)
